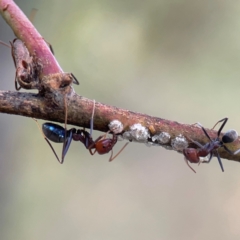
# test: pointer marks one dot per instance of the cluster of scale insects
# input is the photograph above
(27, 72)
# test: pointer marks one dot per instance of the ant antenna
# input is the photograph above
(91, 122)
(112, 158)
(67, 139)
(186, 161)
(5, 44)
(224, 120)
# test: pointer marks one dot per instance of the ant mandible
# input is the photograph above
(193, 155)
(58, 134)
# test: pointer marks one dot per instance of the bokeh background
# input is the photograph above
(178, 60)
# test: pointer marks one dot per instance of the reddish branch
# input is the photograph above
(24, 30)
(55, 85)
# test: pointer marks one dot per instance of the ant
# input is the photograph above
(193, 155)
(58, 134)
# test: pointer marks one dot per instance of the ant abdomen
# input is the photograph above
(54, 132)
(230, 136)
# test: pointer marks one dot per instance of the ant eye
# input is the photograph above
(230, 136)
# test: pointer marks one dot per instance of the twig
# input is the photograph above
(80, 110)
(48, 104)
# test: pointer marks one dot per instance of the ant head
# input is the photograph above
(230, 136)
(191, 155)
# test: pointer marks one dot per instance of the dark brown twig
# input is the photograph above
(55, 85)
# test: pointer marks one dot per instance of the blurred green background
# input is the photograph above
(178, 60)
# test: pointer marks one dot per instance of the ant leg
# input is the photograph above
(218, 157)
(47, 140)
(206, 134)
(224, 120)
(204, 130)
(64, 150)
(222, 126)
(219, 160)
(112, 158)
(189, 165)
(92, 145)
(195, 142)
(92, 153)
(66, 145)
(91, 121)
(97, 140)
(102, 137)
(67, 139)
(87, 145)
(210, 158)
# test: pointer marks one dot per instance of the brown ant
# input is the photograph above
(58, 134)
(193, 155)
